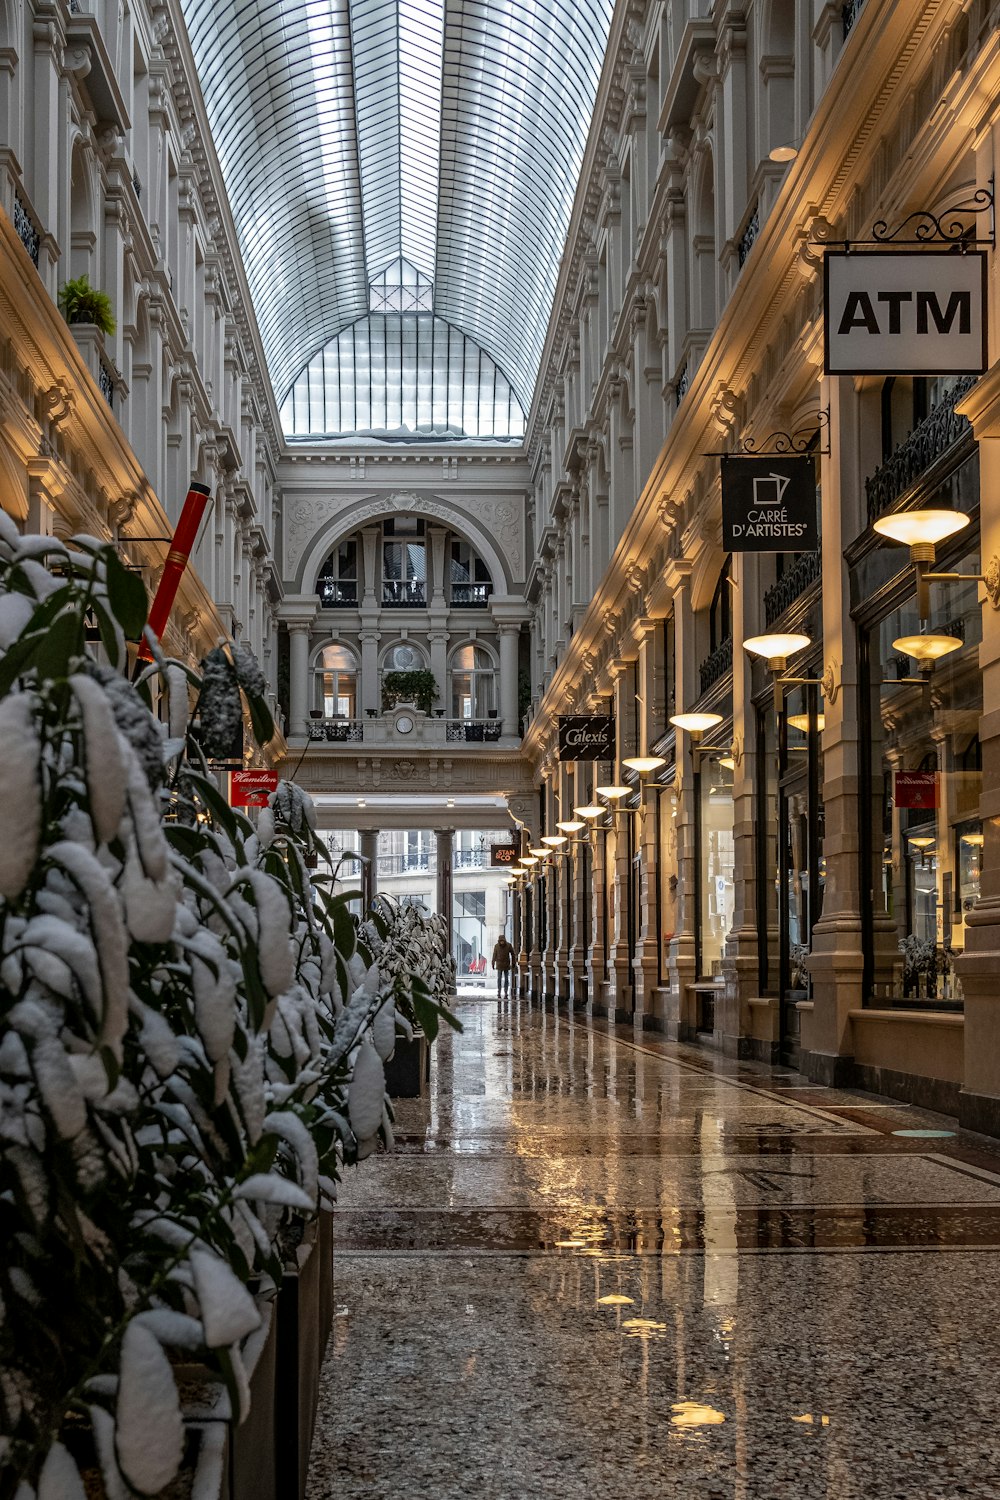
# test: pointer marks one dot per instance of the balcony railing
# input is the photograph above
(404, 864)
(472, 730)
(106, 383)
(337, 731)
(932, 437)
(338, 593)
(717, 664)
(470, 595)
(25, 228)
(748, 236)
(793, 582)
(849, 14)
(683, 381)
(397, 594)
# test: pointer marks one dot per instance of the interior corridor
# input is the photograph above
(600, 1268)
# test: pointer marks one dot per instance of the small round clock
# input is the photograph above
(404, 724)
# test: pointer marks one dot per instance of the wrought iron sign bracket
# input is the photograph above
(781, 443)
(929, 228)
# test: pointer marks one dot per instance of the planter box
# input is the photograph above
(299, 1355)
(408, 1069)
(324, 1251)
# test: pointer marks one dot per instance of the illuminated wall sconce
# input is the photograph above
(922, 843)
(977, 840)
(613, 793)
(801, 722)
(643, 765)
(921, 531)
(571, 825)
(528, 859)
(776, 649)
(539, 852)
(694, 726)
(554, 839)
(926, 650)
(590, 811)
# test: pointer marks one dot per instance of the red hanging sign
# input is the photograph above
(251, 788)
(916, 789)
(177, 559)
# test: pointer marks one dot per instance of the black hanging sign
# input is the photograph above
(504, 854)
(904, 312)
(586, 737)
(769, 503)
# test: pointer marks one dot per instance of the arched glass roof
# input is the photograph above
(358, 137)
(405, 376)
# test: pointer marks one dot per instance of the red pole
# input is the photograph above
(177, 558)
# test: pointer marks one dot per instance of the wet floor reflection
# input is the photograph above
(598, 1270)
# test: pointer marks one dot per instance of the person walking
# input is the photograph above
(503, 959)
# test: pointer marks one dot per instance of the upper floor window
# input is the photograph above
(473, 683)
(720, 623)
(404, 563)
(337, 682)
(471, 585)
(337, 585)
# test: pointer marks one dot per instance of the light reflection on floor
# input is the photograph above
(603, 1266)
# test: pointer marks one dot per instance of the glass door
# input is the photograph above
(801, 873)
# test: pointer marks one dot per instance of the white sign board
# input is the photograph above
(916, 312)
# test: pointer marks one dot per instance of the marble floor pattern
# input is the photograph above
(605, 1265)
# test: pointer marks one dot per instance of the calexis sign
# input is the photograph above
(769, 504)
(586, 737)
(918, 312)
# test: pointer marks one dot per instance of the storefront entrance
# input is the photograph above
(800, 865)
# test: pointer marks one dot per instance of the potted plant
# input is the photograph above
(419, 688)
(83, 303)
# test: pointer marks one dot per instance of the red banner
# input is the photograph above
(177, 558)
(251, 788)
(917, 789)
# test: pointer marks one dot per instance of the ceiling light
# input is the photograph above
(644, 763)
(591, 810)
(695, 723)
(783, 153)
(571, 825)
(776, 649)
(801, 721)
(920, 530)
(927, 648)
(614, 792)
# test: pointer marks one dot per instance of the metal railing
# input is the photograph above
(748, 236)
(399, 594)
(404, 864)
(470, 595)
(849, 14)
(792, 583)
(26, 230)
(472, 730)
(336, 731)
(683, 381)
(338, 593)
(716, 664)
(106, 382)
(939, 430)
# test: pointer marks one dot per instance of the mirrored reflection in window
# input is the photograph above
(927, 837)
(337, 681)
(716, 874)
(473, 684)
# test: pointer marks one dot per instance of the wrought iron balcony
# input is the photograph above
(748, 236)
(849, 14)
(793, 582)
(338, 593)
(27, 233)
(337, 731)
(941, 427)
(683, 381)
(472, 730)
(470, 595)
(717, 664)
(106, 382)
(415, 863)
(398, 594)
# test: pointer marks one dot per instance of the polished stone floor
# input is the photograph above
(607, 1266)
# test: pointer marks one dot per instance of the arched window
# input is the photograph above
(473, 683)
(337, 683)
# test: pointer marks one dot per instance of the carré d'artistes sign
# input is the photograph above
(769, 503)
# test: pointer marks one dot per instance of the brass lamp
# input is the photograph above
(571, 825)
(921, 531)
(554, 839)
(613, 793)
(695, 725)
(927, 649)
(590, 811)
(643, 764)
(776, 649)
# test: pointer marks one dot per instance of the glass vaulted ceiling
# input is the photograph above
(368, 143)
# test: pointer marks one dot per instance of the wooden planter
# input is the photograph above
(299, 1355)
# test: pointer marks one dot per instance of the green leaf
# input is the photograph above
(126, 595)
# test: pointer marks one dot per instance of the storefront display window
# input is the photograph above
(924, 787)
(717, 859)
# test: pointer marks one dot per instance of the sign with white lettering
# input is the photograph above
(769, 503)
(917, 312)
(586, 737)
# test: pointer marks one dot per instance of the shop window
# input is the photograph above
(716, 860)
(923, 782)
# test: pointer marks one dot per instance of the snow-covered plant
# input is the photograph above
(414, 955)
(191, 1033)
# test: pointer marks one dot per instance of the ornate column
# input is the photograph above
(563, 888)
(298, 611)
(648, 633)
(369, 697)
(680, 1010)
(620, 998)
